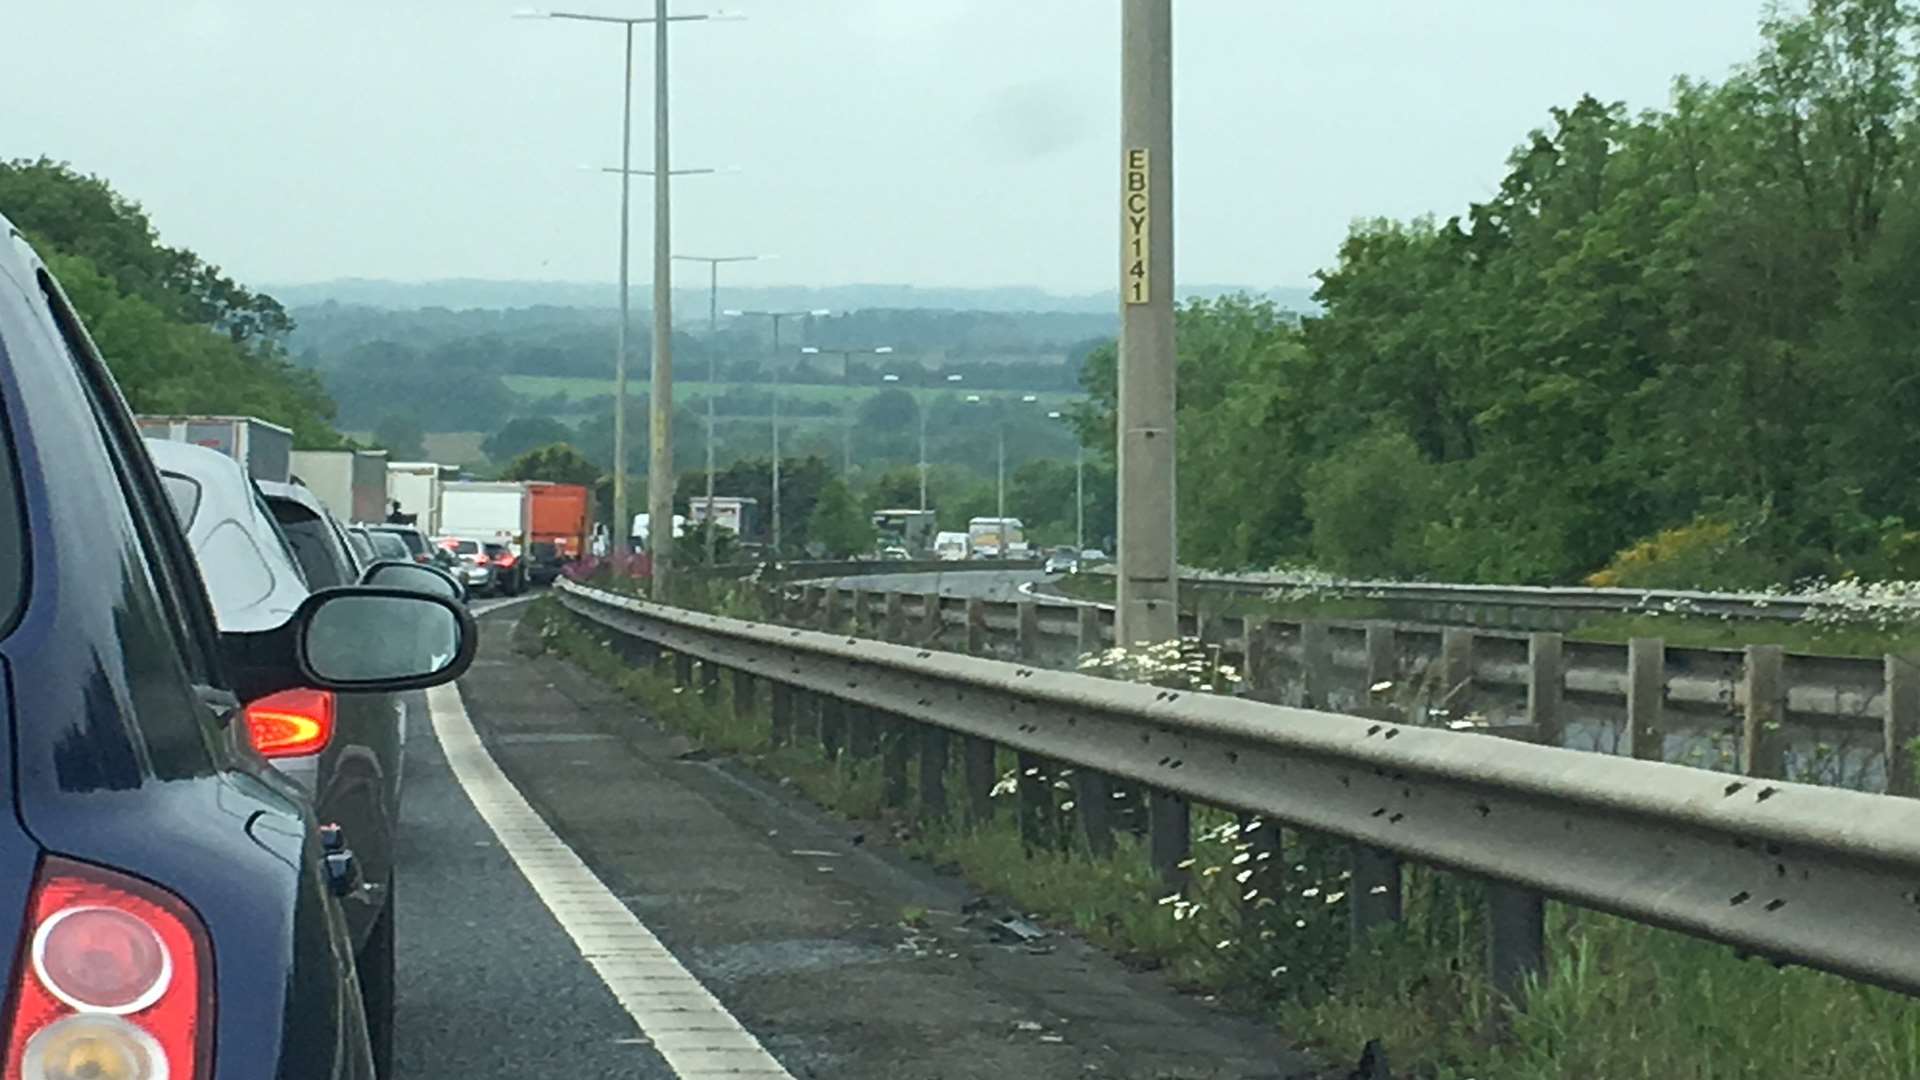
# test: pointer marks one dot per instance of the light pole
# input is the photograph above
(846, 376)
(1079, 487)
(776, 316)
(660, 462)
(713, 363)
(1146, 609)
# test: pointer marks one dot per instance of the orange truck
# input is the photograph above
(562, 527)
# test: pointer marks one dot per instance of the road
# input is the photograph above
(570, 824)
(984, 584)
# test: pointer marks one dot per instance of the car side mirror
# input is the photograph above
(356, 638)
(414, 577)
(376, 638)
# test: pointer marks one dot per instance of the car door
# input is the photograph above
(356, 779)
(142, 770)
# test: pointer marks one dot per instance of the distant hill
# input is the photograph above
(468, 293)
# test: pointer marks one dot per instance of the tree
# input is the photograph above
(837, 526)
(524, 433)
(402, 437)
(558, 463)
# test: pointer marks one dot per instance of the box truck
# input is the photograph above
(265, 449)
(352, 483)
(561, 530)
(729, 512)
(413, 495)
(490, 511)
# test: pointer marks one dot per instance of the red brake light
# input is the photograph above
(504, 561)
(116, 981)
(291, 722)
(482, 559)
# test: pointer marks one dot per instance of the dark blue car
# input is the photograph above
(171, 898)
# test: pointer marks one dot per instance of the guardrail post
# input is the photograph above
(976, 626)
(1646, 698)
(1383, 671)
(833, 726)
(1172, 837)
(745, 688)
(1253, 660)
(683, 669)
(897, 747)
(709, 681)
(1516, 937)
(1316, 663)
(1374, 891)
(1456, 671)
(933, 773)
(1087, 638)
(829, 617)
(1093, 801)
(1762, 741)
(862, 612)
(1546, 687)
(1029, 630)
(862, 726)
(1902, 723)
(933, 621)
(1036, 801)
(782, 733)
(810, 603)
(893, 625)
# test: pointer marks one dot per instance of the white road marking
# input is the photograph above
(686, 1024)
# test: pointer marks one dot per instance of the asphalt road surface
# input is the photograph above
(984, 584)
(573, 846)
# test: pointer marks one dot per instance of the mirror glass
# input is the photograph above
(414, 577)
(354, 639)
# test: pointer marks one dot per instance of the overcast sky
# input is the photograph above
(930, 142)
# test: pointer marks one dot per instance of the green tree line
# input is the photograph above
(1691, 334)
(179, 335)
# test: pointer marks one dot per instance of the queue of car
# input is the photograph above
(200, 768)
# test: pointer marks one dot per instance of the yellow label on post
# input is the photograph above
(1136, 222)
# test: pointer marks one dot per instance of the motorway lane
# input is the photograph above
(983, 584)
(788, 917)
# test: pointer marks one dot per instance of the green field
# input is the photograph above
(542, 386)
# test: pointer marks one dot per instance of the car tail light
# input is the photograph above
(505, 562)
(116, 983)
(291, 722)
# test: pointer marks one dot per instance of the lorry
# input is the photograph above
(641, 529)
(413, 495)
(490, 511)
(730, 512)
(992, 537)
(951, 546)
(265, 449)
(910, 529)
(561, 530)
(352, 483)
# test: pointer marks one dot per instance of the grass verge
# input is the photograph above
(1618, 1000)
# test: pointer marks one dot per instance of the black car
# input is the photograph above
(172, 900)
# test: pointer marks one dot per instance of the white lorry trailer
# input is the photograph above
(490, 511)
(352, 483)
(265, 449)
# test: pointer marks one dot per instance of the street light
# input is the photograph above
(776, 316)
(1079, 486)
(660, 458)
(846, 376)
(713, 364)
(1000, 440)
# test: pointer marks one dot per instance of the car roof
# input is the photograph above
(298, 493)
(252, 580)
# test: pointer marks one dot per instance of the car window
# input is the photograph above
(314, 545)
(185, 493)
(388, 546)
(167, 631)
(362, 545)
(462, 547)
(496, 550)
(13, 540)
(410, 539)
